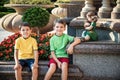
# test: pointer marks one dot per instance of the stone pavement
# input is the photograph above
(4, 34)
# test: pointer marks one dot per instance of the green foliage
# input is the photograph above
(36, 16)
(63, 1)
(10, 10)
(41, 2)
(19, 1)
(30, 2)
(3, 13)
(5, 10)
(2, 2)
(53, 0)
(7, 46)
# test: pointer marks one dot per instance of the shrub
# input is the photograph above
(36, 16)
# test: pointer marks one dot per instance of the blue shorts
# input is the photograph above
(27, 63)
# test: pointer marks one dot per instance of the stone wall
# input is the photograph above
(99, 65)
(98, 59)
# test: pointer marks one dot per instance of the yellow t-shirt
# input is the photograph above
(26, 47)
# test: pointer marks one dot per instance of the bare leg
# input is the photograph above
(34, 73)
(64, 71)
(50, 71)
(18, 73)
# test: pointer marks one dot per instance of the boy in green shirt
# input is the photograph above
(26, 53)
(59, 53)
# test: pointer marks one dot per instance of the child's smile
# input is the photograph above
(25, 31)
(59, 28)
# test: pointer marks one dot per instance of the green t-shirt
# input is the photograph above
(92, 33)
(58, 45)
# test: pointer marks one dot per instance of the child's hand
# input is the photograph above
(59, 64)
(17, 66)
(70, 50)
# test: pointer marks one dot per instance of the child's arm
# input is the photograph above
(70, 48)
(16, 59)
(16, 56)
(89, 28)
(93, 24)
(36, 58)
(35, 52)
(56, 60)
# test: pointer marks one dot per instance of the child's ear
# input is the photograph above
(31, 30)
(19, 31)
(54, 28)
(65, 28)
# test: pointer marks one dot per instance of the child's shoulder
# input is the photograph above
(18, 38)
(52, 37)
(33, 39)
(68, 36)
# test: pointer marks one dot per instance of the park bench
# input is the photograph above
(7, 72)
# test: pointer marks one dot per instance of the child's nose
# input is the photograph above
(25, 31)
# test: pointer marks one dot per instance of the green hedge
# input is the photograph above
(6, 9)
(3, 13)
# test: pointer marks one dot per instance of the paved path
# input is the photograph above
(3, 34)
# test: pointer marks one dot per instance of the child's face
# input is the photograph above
(25, 31)
(89, 18)
(59, 28)
(94, 18)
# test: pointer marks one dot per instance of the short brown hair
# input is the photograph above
(91, 13)
(62, 21)
(25, 24)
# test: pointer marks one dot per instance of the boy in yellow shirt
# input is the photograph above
(26, 53)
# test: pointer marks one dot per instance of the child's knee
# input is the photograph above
(18, 69)
(53, 65)
(34, 68)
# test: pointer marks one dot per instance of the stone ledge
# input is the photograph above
(106, 24)
(7, 71)
(97, 47)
